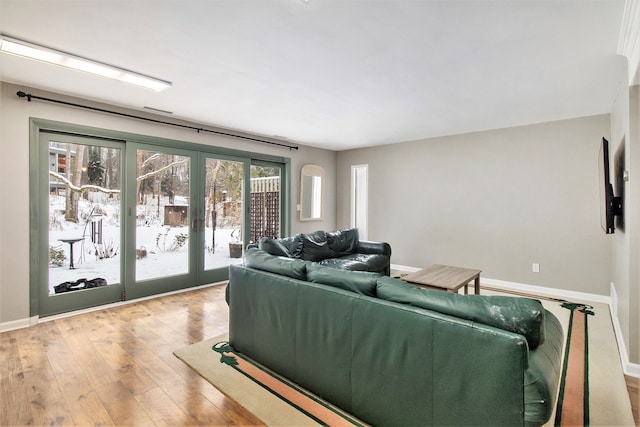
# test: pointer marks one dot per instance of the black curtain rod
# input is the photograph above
(132, 116)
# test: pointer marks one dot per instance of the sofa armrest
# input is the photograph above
(366, 247)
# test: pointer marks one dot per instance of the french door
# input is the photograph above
(80, 221)
(221, 215)
(161, 200)
(127, 219)
(240, 201)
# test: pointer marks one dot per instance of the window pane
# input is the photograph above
(223, 213)
(84, 216)
(265, 202)
(162, 215)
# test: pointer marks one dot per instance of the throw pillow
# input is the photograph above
(343, 242)
(315, 246)
(273, 246)
(293, 245)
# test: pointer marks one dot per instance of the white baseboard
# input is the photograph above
(32, 321)
(631, 369)
(549, 292)
(532, 289)
(18, 324)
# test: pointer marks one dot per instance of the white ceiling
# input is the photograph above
(337, 74)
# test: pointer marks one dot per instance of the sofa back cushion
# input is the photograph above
(287, 246)
(261, 260)
(524, 316)
(315, 246)
(273, 247)
(343, 242)
(359, 282)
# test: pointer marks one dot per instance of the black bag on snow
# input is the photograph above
(79, 284)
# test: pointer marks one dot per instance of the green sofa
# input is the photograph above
(341, 249)
(391, 353)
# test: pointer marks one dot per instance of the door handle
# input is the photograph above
(197, 222)
(194, 220)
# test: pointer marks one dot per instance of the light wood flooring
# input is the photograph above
(633, 385)
(116, 367)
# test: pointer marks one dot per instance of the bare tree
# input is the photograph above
(212, 175)
(72, 197)
(160, 170)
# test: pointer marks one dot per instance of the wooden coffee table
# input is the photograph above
(446, 277)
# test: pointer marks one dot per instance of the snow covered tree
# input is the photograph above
(72, 197)
(95, 170)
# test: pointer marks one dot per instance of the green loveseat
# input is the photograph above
(391, 353)
(340, 249)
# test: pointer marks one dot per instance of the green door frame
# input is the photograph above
(39, 189)
(38, 220)
(135, 288)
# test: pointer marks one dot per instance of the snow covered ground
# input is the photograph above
(151, 234)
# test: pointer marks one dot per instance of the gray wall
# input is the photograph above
(625, 245)
(14, 176)
(497, 201)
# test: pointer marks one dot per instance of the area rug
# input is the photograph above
(592, 389)
(270, 397)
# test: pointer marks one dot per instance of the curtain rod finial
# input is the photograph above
(21, 94)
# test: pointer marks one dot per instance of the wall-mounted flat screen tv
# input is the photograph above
(610, 205)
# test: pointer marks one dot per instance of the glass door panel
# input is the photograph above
(78, 231)
(84, 216)
(223, 213)
(265, 202)
(162, 215)
(114, 219)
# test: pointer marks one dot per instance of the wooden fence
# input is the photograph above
(265, 208)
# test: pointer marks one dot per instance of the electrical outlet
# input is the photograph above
(535, 267)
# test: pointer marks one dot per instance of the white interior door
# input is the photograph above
(359, 199)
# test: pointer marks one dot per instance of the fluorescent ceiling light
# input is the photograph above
(51, 56)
